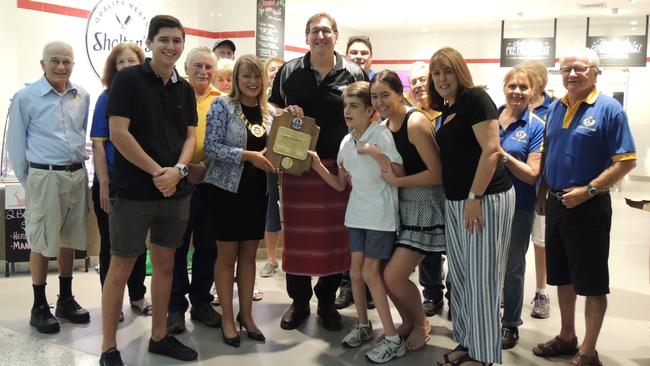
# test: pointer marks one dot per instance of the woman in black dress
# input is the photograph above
(235, 140)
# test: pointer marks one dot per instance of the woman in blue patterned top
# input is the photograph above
(235, 140)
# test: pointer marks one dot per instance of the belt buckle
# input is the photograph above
(556, 195)
(69, 168)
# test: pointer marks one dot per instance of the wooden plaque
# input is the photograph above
(290, 139)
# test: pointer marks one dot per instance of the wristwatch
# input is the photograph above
(182, 169)
(472, 196)
(591, 190)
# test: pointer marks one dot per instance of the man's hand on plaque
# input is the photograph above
(295, 111)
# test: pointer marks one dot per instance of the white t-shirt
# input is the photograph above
(373, 203)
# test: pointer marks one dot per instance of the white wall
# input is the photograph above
(485, 44)
(26, 31)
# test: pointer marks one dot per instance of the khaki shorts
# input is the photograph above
(56, 210)
(130, 221)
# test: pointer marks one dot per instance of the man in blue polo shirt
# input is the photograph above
(587, 149)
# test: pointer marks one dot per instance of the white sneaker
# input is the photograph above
(541, 307)
(269, 269)
(385, 351)
(357, 335)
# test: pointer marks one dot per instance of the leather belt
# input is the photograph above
(67, 168)
(559, 194)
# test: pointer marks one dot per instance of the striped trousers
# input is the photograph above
(477, 265)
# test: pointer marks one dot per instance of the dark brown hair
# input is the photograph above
(389, 77)
(363, 39)
(163, 21)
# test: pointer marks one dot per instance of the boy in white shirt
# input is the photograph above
(371, 215)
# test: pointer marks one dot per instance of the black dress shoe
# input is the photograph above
(431, 306)
(344, 299)
(330, 318)
(176, 323)
(232, 342)
(170, 346)
(68, 308)
(509, 337)
(206, 314)
(111, 358)
(254, 335)
(43, 320)
(294, 316)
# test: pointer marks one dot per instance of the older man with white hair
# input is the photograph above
(200, 67)
(587, 149)
(46, 141)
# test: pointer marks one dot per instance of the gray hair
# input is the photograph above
(582, 53)
(196, 50)
(416, 66)
(55, 44)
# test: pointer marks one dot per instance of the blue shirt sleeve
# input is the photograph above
(99, 127)
(619, 136)
(17, 138)
(537, 136)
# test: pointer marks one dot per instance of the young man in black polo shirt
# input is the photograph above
(152, 119)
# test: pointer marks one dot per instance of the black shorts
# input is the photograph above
(577, 244)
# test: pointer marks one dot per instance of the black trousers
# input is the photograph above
(300, 291)
(201, 233)
(135, 284)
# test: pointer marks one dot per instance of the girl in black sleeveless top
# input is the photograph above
(421, 202)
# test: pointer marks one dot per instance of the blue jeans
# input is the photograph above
(513, 285)
(430, 276)
(199, 231)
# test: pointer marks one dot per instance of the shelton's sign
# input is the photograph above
(625, 51)
(515, 50)
(112, 22)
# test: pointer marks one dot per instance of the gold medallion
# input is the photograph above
(257, 130)
(286, 162)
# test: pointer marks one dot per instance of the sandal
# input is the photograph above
(466, 359)
(144, 308)
(445, 357)
(557, 347)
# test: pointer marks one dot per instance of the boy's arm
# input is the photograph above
(382, 159)
(338, 182)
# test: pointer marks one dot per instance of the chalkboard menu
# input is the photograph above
(17, 247)
(516, 50)
(269, 33)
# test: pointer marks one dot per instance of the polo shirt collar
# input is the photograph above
(212, 91)
(338, 65)
(45, 87)
(148, 70)
(590, 99)
(525, 118)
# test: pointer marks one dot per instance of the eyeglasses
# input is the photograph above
(566, 70)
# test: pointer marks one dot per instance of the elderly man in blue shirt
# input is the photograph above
(46, 140)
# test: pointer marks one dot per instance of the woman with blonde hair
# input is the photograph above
(235, 140)
(521, 144)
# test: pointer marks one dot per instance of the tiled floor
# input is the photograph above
(625, 339)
